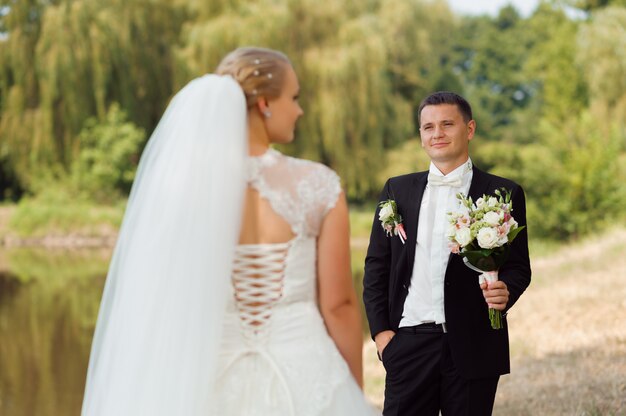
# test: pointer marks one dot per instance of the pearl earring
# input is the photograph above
(267, 113)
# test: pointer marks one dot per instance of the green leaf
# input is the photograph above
(515, 232)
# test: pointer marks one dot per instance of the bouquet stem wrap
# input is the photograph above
(491, 276)
(495, 316)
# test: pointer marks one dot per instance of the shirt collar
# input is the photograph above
(462, 170)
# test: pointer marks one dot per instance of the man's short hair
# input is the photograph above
(446, 97)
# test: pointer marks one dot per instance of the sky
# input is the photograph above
(491, 7)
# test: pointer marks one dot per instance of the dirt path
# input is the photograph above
(568, 336)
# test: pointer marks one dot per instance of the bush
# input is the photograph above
(572, 178)
(109, 152)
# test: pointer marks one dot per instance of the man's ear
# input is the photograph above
(471, 129)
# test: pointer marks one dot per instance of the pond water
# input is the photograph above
(49, 303)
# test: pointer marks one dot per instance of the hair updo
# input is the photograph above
(259, 71)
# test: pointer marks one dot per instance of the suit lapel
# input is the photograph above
(480, 184)
(415, 194)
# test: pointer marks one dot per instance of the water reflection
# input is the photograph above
(49, 302)
(48, 306)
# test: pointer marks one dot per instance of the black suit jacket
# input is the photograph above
(477, 349)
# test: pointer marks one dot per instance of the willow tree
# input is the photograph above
(20, 26)
(353, 115)
(351, 111)
(363, 67)
(86, 55)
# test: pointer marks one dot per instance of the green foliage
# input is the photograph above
(590, 5)
(109, 151)
(405, 158)
(55, 211)
(341, 53)
(489, 56)
(602, 43)
(546, 90)
(416, 52)
(361, 217)
(573, 179)
(559, 83)
(68, 60)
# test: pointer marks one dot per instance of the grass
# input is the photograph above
(59, 216)
(361, 217)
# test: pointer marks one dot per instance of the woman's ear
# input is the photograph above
(263, 107)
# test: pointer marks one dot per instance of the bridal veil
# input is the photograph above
(158, 331)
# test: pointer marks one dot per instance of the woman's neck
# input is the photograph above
(258, 140)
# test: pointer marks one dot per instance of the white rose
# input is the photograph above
(492, 218)
(493, 201)
(488, 237)
(463, 236)
(385, 213)
(480, 203)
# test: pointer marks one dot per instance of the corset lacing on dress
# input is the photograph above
(258, 279)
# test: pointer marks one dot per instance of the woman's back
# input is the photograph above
(275, 260)
(286, 197)
(276, 355)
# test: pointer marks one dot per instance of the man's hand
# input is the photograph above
(496, 295)
(382, 339)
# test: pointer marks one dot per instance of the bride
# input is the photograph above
(229, 291)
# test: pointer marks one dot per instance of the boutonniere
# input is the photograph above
(390, 220)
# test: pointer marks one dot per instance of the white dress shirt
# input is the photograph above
(424, 302)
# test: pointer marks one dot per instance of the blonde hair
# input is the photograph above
(259, 71)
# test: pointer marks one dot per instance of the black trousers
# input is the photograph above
(422, 379)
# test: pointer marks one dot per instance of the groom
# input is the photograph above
(426, 311)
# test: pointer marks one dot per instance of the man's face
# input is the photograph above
(445, 135)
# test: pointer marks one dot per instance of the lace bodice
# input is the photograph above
(300, 191)
(273, 330)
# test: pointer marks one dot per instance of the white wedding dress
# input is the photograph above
(193, 324)
(276, 357)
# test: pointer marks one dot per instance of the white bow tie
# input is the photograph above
(452, 181)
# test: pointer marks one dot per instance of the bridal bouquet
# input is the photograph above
(482, 233)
